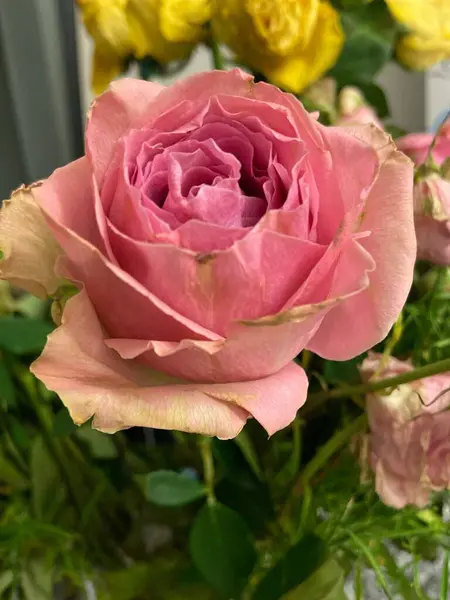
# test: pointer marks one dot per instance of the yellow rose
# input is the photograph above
(429, 18)
(107, 23)
(145, 18)
(429, 23)
(291, 42)
(185, 20)
(420, 53)
(166, 30)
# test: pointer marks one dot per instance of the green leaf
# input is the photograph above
(45, 480)
(6, 579)
(37, 581)
(10, 475)
(18, 433)
(343, 371)
(31, 307)
(239, 488)
(222, 549)
(369, 33)
(63, 424)
(7, 390)
(20, 335)
(327, 583)
(128, 584)
(395, 132)
(100, 444)
(294, 568)
(168, 488)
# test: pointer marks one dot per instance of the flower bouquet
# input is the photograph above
(245, 281)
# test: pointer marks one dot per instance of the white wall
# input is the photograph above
(437, 94)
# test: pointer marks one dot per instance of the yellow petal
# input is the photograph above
(430, 18)
(106, 21)
(29, 250)
(420, 53)
(307, 65)
(283, 25)
(106, 66)
(184, 20)
(147, 38)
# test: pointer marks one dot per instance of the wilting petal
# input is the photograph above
(93, 381)
(29, 249)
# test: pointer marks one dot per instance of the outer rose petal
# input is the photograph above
(29, 249)
(364, 320)
(399, 492)
(252, 350)
(111, 115)
(93, 381)
(67, 196)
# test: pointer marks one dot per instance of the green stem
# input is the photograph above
(321, 458)
(317, 399)
(208, 467)
(339, 439)
(216, 54)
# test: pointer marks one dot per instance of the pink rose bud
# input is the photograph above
(215, 229)
(354, 110)
(409, 434)
(323, 95)
(417, 145)
(432, 218)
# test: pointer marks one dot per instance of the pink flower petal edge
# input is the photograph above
(93, 381)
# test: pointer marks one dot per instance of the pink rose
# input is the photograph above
(215, 229)
(354, 110)
(409, 435)
(432, 219)
(416, 145)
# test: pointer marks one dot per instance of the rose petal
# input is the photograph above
(29, 249)
(433, 240)
(367, 317)
(93, 381)
(111, 115)
(341, 195)
(111, 290)
(253, 278)
(68, 196)
(416, 146)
